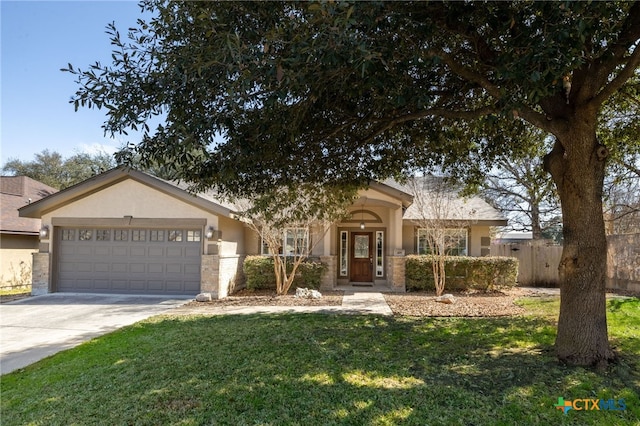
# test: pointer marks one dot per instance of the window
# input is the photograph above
(138, 235)
(454, 244)
(85, 234)
(193, 235)
(344, 253)
(175, 235)
(379, 254)
(68, 234)
(120, 235)
(295, 241)
(156, 235)
(103, 234)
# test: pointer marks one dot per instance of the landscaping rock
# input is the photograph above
(203, 297)
(446, 298)
(305, 293)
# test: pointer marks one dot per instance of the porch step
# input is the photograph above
(362, 284)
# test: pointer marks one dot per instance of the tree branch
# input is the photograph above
(623, 76)
(468, 74)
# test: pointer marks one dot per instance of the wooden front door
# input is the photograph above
(362, 257)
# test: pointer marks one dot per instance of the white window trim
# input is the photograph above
(264, 248)
(448, 230)
(379, 256)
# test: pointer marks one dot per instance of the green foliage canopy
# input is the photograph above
(52, 169)
(348, 92)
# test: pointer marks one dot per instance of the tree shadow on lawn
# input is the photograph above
(334, 369)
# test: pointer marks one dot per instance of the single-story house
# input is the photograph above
(125, 231)
(18, 235)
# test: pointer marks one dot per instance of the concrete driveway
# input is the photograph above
(37, 327)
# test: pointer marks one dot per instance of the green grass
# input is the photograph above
(14, 291)
(327, 369)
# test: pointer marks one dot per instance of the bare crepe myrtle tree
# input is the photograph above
(291, 222)
(440, 210)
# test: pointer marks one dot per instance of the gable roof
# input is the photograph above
(111, 177)
(473, 209)
(464, 209)
(16, 192)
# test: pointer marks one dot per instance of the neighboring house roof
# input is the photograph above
(17, 192)
(114, 176)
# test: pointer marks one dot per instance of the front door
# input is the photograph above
(361, 257)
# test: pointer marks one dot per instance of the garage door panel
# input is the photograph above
(119, 284)
(66, 267)
(137, 268)
(101, 284)
(101, 267)
(155, 285)
(174, 252)
(192, 285)
(191, 251)
(155, 268)
(120, 251)
(84, 267)
(156, 252)
(191, 269)
(174, 285)
(130, 266)
(119, 267)
(174, 268)
(137, 284)
(138, 251)
(102, 251)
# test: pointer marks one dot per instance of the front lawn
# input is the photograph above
(313, 369)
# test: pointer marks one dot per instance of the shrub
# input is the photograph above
(259, 273)
(462, 272)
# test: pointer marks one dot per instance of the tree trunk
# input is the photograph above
(577, 164)
(536, 229)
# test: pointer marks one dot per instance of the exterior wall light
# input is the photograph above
(44, 232)
(210, 231)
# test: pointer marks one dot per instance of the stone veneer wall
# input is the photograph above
(623, 262)
(329, 277)
(40, 274)
(221, 275)
(396, 273)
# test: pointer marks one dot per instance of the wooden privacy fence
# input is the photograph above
(538, 264)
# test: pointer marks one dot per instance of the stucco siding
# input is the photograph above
(129, 198)
(16, 259)
(476, 233)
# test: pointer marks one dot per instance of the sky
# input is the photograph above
(37, 39)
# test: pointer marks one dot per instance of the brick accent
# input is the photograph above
(41, 274)
(329, 277)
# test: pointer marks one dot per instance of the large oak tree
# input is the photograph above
(257, 95)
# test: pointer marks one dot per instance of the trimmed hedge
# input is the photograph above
(259, 273)
(462, 272)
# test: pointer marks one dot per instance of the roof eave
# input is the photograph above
(96, 183)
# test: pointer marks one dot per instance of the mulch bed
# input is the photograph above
(467, 304)
(270, 298)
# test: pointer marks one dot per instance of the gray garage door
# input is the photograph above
(142, 261)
